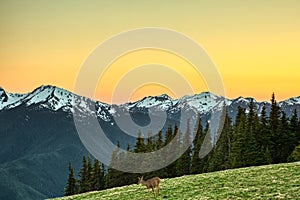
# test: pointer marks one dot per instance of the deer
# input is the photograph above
(150, 183)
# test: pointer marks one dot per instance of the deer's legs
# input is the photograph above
(153, 191)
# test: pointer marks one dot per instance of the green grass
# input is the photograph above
(280, 181)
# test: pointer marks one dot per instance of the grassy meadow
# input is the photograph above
(281, 181)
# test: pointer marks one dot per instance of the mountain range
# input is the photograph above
(38, 134)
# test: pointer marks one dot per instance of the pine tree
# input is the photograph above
(89, 174)
(183, 163)
(264, 137)
(140, 143)
(286, 141)
(195, 165)
(295, 155)
(150, 144)
(274, 125)
(293, 127)
(114, 177)
(220, 159)
(159, 141)
(83, 176)
(98, 181)
(205, 153)
(253, 154)
(169, 135)
(70, 188)
(239, 140)
(267, 156)
(171, 168)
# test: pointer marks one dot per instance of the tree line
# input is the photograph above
(250, 140)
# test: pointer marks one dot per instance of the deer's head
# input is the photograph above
(140, 179)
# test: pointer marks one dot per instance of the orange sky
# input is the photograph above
(255, 45)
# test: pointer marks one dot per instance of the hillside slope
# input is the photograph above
(280, 181)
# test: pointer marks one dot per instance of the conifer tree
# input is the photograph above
(195, 163)
(83, 177)
(274, 125)
(70, 188)
(171, 168)
(140, 143)
(183, 163)
(98, 181)
(169, 135)
(253, 153)
(286, 141)
(295, 155)
(220, 159)
(264, 136)
(89, 174)
(205, 152)
(159, 141)
(112, 177)
(267, 156)
(150, 144)
(293, 127)
(239, 140)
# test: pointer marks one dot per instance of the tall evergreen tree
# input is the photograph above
(205, 153)
(239, 140)
(253, 152)
(220, 159)
(98, 176)
(113, 175)
(195, 163)
(286, 141)
(159, 141)
(84, 184)
(264, 131)
(293, 127)
(267, 156)
(274, 125)
(150, 144)
(70, 188)
(172, 146)
(264, 136)
(140, 143)
(169, 135)
(89, 173)
(183, 163)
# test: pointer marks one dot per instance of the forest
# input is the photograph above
(250, 140)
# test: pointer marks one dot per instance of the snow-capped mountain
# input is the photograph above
(46, 97)
(55, 98)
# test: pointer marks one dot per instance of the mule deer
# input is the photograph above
(150, 183)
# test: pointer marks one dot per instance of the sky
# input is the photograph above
(254, 45)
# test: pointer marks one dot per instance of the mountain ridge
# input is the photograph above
(38, 136)
(54, 94)
(163, 96)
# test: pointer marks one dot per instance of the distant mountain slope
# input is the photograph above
(55, 98)
(38, 136)
(280, 181)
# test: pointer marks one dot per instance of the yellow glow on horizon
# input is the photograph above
(255, 45)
